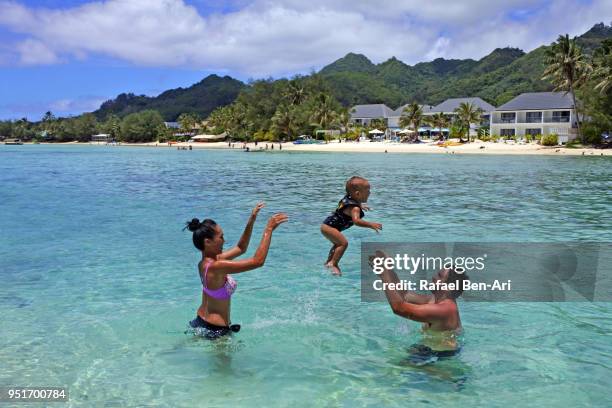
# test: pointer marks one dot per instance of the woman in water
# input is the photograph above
(217, 266)
(437, 311)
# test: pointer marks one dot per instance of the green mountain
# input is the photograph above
(201, 98)
(497, 78)
(593, 38)
(499, 58)
(350, 63)
(354, 79)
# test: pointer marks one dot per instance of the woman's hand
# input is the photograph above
(258, 207)
(276, 220)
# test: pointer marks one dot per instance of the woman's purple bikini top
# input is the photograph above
(224, 292)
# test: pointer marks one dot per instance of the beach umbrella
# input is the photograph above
(406, 131)
(376, 132)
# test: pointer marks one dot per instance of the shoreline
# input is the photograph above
(478, 147)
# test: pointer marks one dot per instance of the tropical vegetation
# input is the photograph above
(280, 109)
(412, 117)
(467, 114)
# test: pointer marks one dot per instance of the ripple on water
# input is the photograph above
(99, 281)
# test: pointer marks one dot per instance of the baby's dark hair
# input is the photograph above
(201, 231)
(352, 183)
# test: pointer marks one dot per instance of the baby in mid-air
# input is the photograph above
(349, 211)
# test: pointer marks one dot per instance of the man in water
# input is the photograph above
(437, 311)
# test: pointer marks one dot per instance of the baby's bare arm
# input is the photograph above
(355, 213)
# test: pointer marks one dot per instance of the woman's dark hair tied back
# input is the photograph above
(201, 231)
(192, 225)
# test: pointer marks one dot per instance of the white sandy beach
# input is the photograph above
(477, 147)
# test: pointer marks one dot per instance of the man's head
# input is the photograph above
(448, 276)
(358, 189)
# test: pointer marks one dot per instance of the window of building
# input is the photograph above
(534, 117)
(506, 132)
(561, 116)
(508, 117)
(533, 132)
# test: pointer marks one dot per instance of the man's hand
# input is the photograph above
(379, 254)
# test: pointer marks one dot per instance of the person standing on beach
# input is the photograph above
(216, 267)
(350, 211)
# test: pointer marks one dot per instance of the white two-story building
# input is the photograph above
(364, 114)
(538, 113)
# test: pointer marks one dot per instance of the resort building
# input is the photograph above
(448, 108)
(364, 114)
(397, 114)
(172, 125)
(101, 138)
(537, 113)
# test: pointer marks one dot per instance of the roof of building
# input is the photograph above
(539, 100)
(449, 105)
(379, 110)
(425, 108)
(172, 125)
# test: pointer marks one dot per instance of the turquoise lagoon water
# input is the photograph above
(99, 281)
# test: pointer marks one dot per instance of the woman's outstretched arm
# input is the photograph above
(243, 244)
(229, 267)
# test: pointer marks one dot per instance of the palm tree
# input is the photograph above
(567, 69)
(220, 118)
(602, 64)
(377, 123)
(295, 93)
(324, 111)
(439, 120)
(344, 120)
(187, 122)
(284, 121)
(112, 126)
(412, 115)
(468, 113)
(237, 120)
(49, 124)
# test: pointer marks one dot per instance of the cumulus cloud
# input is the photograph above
(263, 37)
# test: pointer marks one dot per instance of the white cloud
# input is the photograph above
(35, 52)
(264, 37)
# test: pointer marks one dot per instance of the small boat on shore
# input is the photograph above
(13, 142)
(305, 139)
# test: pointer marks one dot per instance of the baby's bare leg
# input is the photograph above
(330, 254)
(340, 245)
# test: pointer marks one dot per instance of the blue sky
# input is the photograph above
(69, 56)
